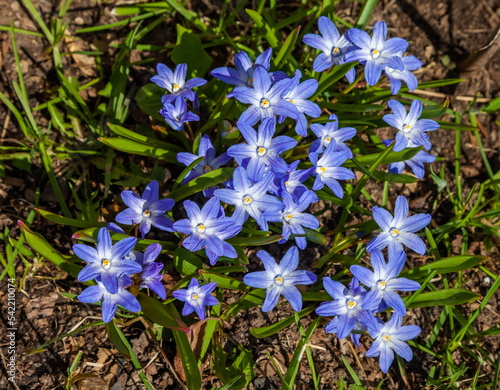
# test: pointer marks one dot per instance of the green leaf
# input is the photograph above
(394, 177)
(41, 246)
(447, 297)
(492, 106)
(352, 107)
(161, 314)
(328, 79)
(191, 370)
(134, 147)
(59, 219)
(201, 183)
(443, 266)
(267, 331)
(186, 262)
(294, 365)
(223, 281)
(287, 47)
(369, 159)
(114, 337)
(316, 237)
(255, 240)
(120, 341)
(148, 98)
(132, 135)
(189, 50)
(264, 27)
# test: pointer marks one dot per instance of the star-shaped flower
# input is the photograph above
(110, 301)
(208, 228)
(175, 82)
(265, 98)
(108, 261)
(398, 230)
(293, 217)
(412, 130)
(389, 338)
(333, 45)
(280, 279)
(196, 297)
(375, 52)
(146, 211)
(261, 150)
(328, 169)
(249, 198)
(384, 281)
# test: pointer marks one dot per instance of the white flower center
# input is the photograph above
(146, 213)
(264, 103)
(406, 128)
(375, 54)
(389, 69)
(261, 151)
(194, 296)
(320, 170)
(394, 232)
(247, 199)
(385, 337)
(106, 263)
(278, 279)
(175, 88)
(336, 51)
(351, 303)
(381, 284)
(287, 217)
(327, 140)
(200, 228)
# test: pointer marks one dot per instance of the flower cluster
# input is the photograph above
(377, 53)
(175, 109)
(272, 189)
(355, 307)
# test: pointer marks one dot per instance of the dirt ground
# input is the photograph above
(443, 33)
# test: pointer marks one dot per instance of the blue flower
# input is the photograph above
(348, 307)
(196, 297)
(376, 52)
(416, 163)
(280, 279)
(261, 150)
(389, 338)
(150, 275)
(384, 281)
(265, 99)
(249, 198)
(146, 211)
(293, 218)
(330, 132)
(242, 76)
(175, 83)
(411, 129)
(209, 162)
(398, 230)
(297, 94)
(177, 114)
(110, 301)
(396, 76)
(208, 228)
(332, 44)
(107, 260)
(328, 169)
(293, 179)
